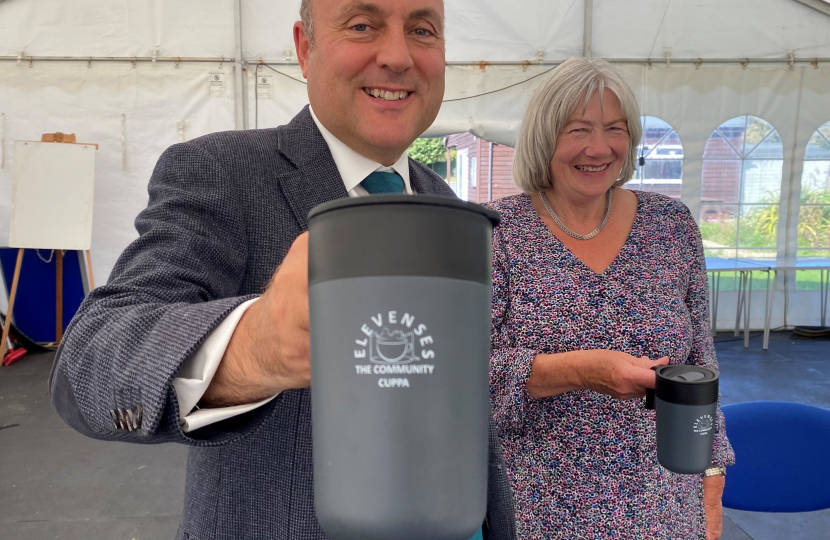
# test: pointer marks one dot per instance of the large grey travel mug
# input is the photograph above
(399, 304)
(686, 401)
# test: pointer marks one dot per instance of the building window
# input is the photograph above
(472, 172)
(741, 188)
(660, 165)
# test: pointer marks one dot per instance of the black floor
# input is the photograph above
(55, 483)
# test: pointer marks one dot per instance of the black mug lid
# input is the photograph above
(430, 200)
(687, 384)
(400, 235)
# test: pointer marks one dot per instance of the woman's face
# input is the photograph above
(591, 149)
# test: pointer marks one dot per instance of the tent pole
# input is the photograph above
(587, 33)
(239, 71)
(490, 174)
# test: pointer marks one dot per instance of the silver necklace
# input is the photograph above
(570, 232)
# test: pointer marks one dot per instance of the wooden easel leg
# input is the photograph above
(89, 270)
(12, 293)
(59, 296)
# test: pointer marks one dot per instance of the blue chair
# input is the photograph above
(782, 453)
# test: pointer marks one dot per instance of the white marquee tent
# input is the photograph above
(140, 75)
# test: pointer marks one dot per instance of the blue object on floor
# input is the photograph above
(34, 305)
(782, 457)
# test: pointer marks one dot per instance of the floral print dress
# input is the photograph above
(583, 464)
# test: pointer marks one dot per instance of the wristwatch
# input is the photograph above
(712, 471)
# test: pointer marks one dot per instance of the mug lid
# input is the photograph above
(687, 384)
(417, 199)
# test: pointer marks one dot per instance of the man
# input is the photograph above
(177, 347)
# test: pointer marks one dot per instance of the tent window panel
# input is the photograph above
(721, 181)
(661, 154)
(757, 253)
(743, 164)
(719, 228)
(762, 181)
(724, 253)
(814, 212)
(758, 226)
(719, 147)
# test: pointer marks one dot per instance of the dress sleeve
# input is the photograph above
(510, 366)
(703, 348)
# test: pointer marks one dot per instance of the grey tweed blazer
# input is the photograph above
(223, 211)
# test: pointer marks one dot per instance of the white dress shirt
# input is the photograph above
(197, 371)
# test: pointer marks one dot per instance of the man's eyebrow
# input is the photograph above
(361, 7)
(427, 13)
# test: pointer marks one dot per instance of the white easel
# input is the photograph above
(21, 241)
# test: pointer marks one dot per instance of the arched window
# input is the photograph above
(660, 167)
(741, 188)
(814, 211)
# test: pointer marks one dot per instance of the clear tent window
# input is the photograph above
(741, 189)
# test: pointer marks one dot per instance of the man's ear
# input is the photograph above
(302, 46)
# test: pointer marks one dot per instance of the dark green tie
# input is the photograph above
(383, 182)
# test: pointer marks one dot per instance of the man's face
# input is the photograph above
(375, 71)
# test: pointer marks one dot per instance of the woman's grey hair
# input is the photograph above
(570, 84)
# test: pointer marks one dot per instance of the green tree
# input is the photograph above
(431, 152)
(814, 221)
(428, 151)
(760, 225)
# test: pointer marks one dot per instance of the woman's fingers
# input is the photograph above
(645, 362)
(643, 378)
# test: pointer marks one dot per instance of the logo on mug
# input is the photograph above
(704, 424)
(392, 343)
(392, 347)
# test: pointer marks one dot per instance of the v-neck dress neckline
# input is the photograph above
(625, 251)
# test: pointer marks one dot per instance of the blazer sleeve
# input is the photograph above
(113, 372)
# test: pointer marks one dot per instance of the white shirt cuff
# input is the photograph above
(197, 372)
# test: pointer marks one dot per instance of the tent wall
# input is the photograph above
(491, 45)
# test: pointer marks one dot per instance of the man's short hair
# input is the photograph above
(308, 21)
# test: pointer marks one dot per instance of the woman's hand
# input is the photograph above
(614, 373)
(712, 506)
(620, 375)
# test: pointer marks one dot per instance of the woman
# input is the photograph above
(593, 285)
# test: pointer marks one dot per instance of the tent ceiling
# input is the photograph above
(477, 30)
(135, 112)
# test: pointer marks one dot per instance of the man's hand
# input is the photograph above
(269, 350)
(712, 505)
(620, 375)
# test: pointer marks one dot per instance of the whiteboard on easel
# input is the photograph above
(52, 188)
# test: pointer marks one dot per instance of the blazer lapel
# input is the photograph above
(422, 183)
(316, 179)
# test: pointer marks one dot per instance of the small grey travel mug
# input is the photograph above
(399, 306)
(686, 402)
